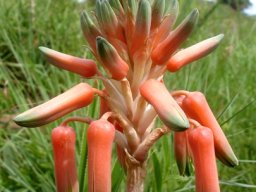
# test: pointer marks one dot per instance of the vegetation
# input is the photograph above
(227, 77)
(236, 4)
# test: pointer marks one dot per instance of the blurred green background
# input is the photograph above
(227, 77)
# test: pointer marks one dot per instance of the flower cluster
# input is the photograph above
(134, 44)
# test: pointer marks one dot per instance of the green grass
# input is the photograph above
(227, 77)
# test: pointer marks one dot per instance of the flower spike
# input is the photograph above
(166, 48)
(193, 53)
(202, 148)
(114, 65)
(100, 136)
(77, 97)
(166, 107)
(63, 141)
(84, 67)
(196, 106)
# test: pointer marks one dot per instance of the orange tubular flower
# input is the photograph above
(63, 141)
(202, 147)
(193, 53)
(84, 67)
(100, 136)
(166, 107)
(196, 106)
(79, 96)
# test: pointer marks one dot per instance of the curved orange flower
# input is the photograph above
(196, 106)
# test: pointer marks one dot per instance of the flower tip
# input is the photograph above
(100, 39)
(18, 119)
(26, 119)
(44, 49)
(219, 37)
(179, 123)
(193, 16)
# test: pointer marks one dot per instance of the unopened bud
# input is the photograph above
(166, 48)
(114, 65)
(166, 107)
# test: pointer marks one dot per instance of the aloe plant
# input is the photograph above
(134, 45)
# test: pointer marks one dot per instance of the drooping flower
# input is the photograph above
(63, 141)
(196, 106)
(202, 148)
(100, 137)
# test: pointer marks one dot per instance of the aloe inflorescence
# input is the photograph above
(134, 45)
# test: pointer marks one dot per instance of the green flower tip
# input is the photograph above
(104, 48)
(219, 37)
(193, 16)
(45, 49)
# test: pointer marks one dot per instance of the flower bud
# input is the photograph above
(100, 136)
(166, 107)
(157, 13)
(196, 106)
(166, 48)
(83, 67)
(114, 65)
(63, 142)
(106, 18)
(142, 26)
(193, 53)
(77, 97)
(90, 31)
(202, 147)
(181, 152)
(117, 7)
